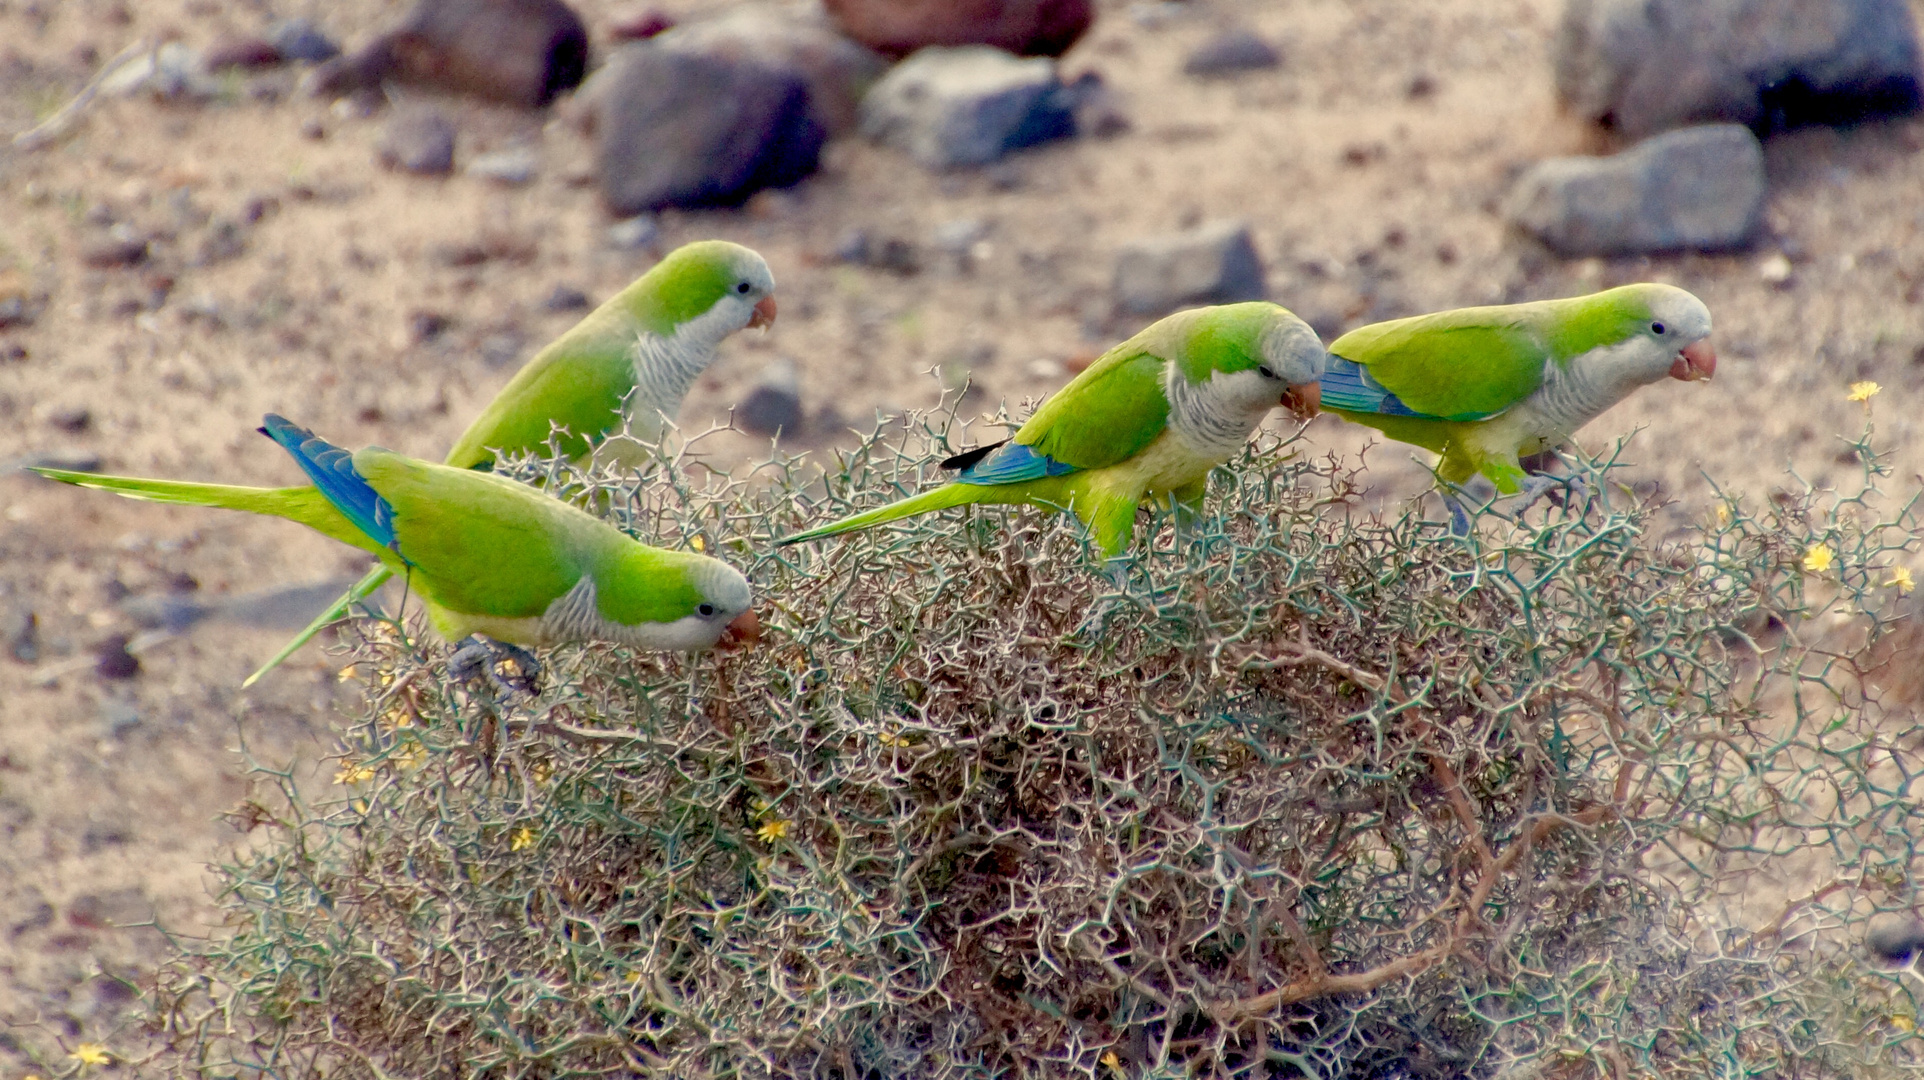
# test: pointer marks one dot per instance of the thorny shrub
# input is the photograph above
(1300, 791)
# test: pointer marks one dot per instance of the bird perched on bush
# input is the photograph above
(1149, 418)
(489, 556)
(629, 363)
(1483, 386)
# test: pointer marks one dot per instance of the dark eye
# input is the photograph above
(704, 610)
(742, 288)
(1656, 328)
(1264, 371)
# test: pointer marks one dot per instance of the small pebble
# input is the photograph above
(1775, 269)
(20, 628)
(298, 41)
(775, 406)
(113, 661)
(566, 298)
(246, 53)
(419, 142)
(514, 167)
(69, 418)
(634, 233)
(1232, 52)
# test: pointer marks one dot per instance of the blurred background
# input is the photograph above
(367, 214)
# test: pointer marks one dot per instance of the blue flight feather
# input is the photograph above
(332, 470)
(1349, 385)
(1012, 463)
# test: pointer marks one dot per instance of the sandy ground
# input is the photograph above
(290, 273)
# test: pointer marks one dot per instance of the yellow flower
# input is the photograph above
(772, 830)
(1110, 1059)
(347, 673)
(1864, 391)
(1901, 581)
(354, 774)
(91, 1054)
(1723, 513)
(1819, 558)
(697, 543)
(1902, 1022)
(523, 837)
(410, 757)
(892, 738)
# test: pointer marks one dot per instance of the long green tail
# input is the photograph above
(940, 499)
(303, 504)
(362, 590)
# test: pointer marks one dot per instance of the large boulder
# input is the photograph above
(521, 52)
(837, 71)
(1643, 66)
(968, 105)
(1026, 27)
(677, 128)
(1700, 188)
(1215, 263)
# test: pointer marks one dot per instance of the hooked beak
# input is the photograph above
(746, 630)
(764, 313)
(1304, 400)
(1696, 363)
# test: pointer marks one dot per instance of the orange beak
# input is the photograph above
(764, 313)
(746, 630)
(1304, 401)
(1695, 364)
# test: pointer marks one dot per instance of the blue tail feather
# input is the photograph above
(1012, 463)
(1349, 385)
(332, 470)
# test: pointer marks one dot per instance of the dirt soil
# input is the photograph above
(288, 272)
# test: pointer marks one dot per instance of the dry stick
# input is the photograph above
(56, 125)
(1491, 866)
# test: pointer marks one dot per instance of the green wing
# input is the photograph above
(1468, 364)
(479, 544)
(578, 382)
(1107, 414)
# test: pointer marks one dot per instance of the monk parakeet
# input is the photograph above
(630, 362)
(1149, 418)
(1484, 386)
(632, 359)
(488, 555)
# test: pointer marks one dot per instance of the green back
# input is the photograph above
(480, 544)
(1107, 414)
(1472, 363)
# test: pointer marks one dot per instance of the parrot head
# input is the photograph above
(1661, 332)
(709, 289)
(1253, 357)
(675, 600)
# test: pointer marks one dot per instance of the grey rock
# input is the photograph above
(1644, 66)
(419, 141)
(891, 253)
(1700, 189)
(774, 407)
(968, 105)
(1232, 52)
(1097, 111)
(171, 70)
(500, 350)
(567, 298)
(521, 52)
(684, 129)
(300, 41)
(634, 233)
(1894, 937)
(835, 70)
(113, 661)
(514, 166)
(1213, 263)
(117, 908)
(20, 630)
(958, 236)
(69, 418)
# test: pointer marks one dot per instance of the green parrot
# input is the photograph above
(1148, 419)
(1485, 386)
(629, 362)
(632, 359)
(488, 555)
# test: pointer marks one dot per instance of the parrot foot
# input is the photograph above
(1540, 484)
(1459, 516)
(512, 669)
